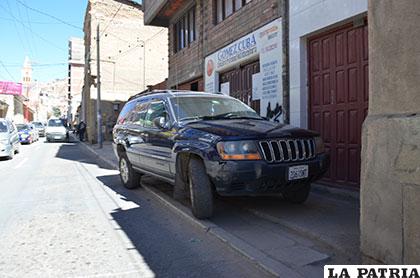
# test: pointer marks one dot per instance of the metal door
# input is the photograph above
(240, 83)
(338, 97)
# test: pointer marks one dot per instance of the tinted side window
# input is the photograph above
(122, 118)
(136, 116)
(156, 109)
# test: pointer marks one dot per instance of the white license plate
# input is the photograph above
(298, 172)
(57, 137)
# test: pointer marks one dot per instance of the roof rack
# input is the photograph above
(151, 92)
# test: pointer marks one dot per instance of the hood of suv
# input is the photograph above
(245, 128)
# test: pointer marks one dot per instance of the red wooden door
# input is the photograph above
(240, 83)
(338, 88)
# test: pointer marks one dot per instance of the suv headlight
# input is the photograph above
(238, 150)
(319, 145)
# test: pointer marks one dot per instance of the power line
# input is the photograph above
(51, 16)
(30, 46)
(36, 34)
(30, 25)
(33, 22)
(142, 43)
(14, 24)
(109, 22)
(16, 65)
(8, 72)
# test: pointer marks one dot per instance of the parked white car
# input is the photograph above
(56, 131)
(9, 139)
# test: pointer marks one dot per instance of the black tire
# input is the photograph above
(180, 187)
(12, 154)
(299, 195)
(201, 192)
(129, 177)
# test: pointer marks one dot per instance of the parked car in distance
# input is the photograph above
(34, 131)
(40, 128)
(56, 131)
(210, 143)
(9, 139)
(27, 135)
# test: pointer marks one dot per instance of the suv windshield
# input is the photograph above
(22, 127)
(211, 108)
(3, 126)
(56, 122)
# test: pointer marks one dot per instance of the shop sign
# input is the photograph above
(264, 45)
(10, 88)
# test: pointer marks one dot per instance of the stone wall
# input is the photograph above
(390, 178)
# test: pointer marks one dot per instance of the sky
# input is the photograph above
(25, 30)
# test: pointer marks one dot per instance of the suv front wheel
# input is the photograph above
(129, 177)
(200, 189)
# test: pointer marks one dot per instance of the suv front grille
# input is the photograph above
(284, 150)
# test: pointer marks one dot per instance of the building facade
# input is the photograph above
(75, 77)
(132, 56)
(223, 46)
(329, 79)
(235, 47)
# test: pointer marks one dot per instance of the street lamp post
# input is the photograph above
(144, 63)
(98, 86)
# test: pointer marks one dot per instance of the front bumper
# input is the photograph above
(249, 178)
(57, 136)
(5, 150)
(25, 140)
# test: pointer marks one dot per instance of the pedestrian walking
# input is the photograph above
(82, 129)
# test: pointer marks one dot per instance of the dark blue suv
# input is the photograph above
(206, 144)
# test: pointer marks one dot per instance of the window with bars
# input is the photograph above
(225, 8)
(184, 30)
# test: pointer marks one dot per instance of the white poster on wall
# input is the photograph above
(256, 86)
(265, 45)
(225, 88)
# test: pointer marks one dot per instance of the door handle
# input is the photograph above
(132, 140)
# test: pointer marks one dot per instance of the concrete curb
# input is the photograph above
(249, 252)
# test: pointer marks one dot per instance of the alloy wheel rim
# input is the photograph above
(124, 170)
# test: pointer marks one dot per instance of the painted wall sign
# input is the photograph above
(225, 88)
(263, 44)
(256, 86)
(10, 88)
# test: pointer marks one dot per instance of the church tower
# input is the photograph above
(26, 76)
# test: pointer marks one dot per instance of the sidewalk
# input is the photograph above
(278, 236)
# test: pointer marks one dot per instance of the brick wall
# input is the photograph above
(247, 19)
(188, 64)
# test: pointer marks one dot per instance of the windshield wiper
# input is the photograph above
(229, 115)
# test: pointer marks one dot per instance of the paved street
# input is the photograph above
(299, 239)
(62, 215)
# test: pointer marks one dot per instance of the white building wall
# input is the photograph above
(308, 17)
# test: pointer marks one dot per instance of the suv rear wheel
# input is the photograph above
(200, 189)
(129, 177)
(299, 195)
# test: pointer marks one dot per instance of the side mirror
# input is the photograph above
(161, 123)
